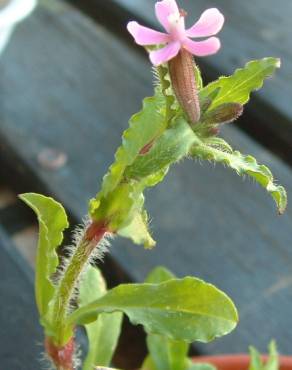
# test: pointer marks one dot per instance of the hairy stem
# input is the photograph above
(61, 304)
(62, 357)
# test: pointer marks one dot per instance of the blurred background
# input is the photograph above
(70, 78)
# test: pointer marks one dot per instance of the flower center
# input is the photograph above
(177, 25)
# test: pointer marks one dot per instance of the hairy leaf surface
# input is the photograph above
(245, 165)
(173, 145)
(138, 231)
(143, 128)
(237, 88)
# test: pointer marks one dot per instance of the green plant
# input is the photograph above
(257, 363)
(181, 120)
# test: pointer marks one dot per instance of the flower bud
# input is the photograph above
(213, 131)
(224, 113)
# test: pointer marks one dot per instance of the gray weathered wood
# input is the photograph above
(20, 333)
(68, 84)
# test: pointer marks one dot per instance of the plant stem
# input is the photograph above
(61, 304)
(62, 357)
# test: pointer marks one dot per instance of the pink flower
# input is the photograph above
(176, 36)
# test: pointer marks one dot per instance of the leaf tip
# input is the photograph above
(150, 244)
(281, 200)
(23, 196)
(281, 210)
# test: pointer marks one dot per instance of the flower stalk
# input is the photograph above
(61, 347)
(62, 356)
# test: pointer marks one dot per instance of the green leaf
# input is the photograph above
(273, 361)
(198, 77)
(255, 359)
(124, 208)
(237, 88)
(245, 165)
(52, 222)
(103, 334)
(144, 127)
(137, 230)
(167, 354)
(121, 205)
(206, 99)
(148, 364)
(218, 143)
(158, 275)
(200, 366)
(256, 362)
(121, 202)
(173, 145)
(166, 89)
(187, 309)
(155, 178)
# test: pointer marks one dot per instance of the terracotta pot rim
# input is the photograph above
(237, 355)
(239, 361)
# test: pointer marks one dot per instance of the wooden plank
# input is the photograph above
(68, 84)
(20, 332)
(26, 242)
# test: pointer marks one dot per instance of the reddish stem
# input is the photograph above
(63, 357)
(96, 231)
(60, 353)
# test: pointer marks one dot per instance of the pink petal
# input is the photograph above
(146, 36)
(163, 55)
(202, 48)
(209, 24)
(164, 9)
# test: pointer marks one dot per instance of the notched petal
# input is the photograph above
(202, 48)
(163, 55)
(163, 9)
(209, 24)
(146, 36)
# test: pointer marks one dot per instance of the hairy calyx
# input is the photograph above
(181, 70)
